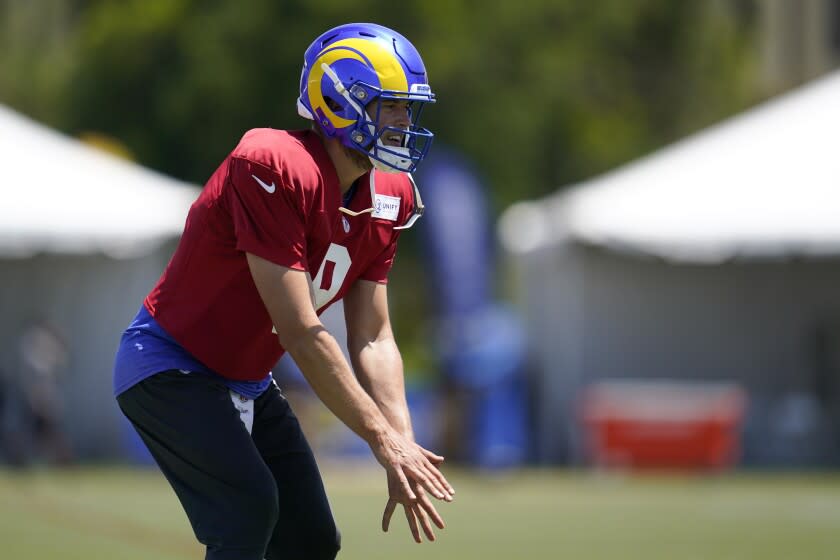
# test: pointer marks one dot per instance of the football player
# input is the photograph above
(289, 223)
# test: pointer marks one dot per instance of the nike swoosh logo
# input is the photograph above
(268, 188)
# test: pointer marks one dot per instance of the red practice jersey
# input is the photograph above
(276, 196)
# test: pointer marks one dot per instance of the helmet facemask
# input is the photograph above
(368, 135)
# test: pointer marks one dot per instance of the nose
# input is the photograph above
(400, 115)
(401, 118)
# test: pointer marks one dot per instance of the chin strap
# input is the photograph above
(419, 207)
(372, 199)
(339, 87)
(394, 152)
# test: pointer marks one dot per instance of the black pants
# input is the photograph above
(247, 496)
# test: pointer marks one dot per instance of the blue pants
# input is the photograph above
(247, 496)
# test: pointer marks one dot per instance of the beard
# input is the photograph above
(359, 159)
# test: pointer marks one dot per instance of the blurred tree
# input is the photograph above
(539, 93)
(36, 64)
(180, 80)
(544, 93)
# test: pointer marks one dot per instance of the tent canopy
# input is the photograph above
(763, 184)
(61, 196)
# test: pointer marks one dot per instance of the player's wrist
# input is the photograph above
(404, 429)
(377, 433)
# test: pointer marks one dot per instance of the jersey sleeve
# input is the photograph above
(268, 220)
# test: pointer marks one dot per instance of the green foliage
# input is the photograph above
(547, 93)
(539, 93)
(36, 62)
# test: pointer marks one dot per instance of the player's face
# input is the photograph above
(396, 114)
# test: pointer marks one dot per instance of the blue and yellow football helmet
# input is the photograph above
(348, 72)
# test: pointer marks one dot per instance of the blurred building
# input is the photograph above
(716, 259)
(83, 237)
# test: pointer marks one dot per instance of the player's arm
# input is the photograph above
(288, 297)
(379, 368)
(374, 353)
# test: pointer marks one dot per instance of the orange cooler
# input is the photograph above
(663, 424)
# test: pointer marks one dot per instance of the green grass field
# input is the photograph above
(118, 513)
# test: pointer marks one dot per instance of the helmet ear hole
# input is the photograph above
(333, 104)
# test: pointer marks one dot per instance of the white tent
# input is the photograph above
(83, 237)
(59, 196)
(765, 183)
(717, 258)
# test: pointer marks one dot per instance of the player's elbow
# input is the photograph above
(356, 343)
(300, 337)
(380, 342)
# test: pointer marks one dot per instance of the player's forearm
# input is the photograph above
(319, 357)
(379, 369)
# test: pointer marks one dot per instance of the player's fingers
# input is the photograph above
(439, 482)
(429, 508)
(433, 460)
(431, 456)
(424, 521)
(427, 480)
(412, 524)
(403, 480)
(386, 515)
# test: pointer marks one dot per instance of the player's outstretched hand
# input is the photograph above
(412, 471)
(406, 460)
(421, 510)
